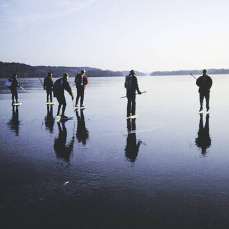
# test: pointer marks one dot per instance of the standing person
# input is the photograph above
(13, 88)
(48, 86)
(204, 83)
(81, 81)
(58, 90)
(131, 85)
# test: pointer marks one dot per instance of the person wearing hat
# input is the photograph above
(204, 83)
(59, 87)
(131, 85)
(80, 81)
(48, 86)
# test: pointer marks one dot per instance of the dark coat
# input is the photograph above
(131, 85)
(204, 83)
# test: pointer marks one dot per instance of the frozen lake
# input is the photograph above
(90, 173)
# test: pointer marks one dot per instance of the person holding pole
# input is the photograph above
(131, 85)
(204, 83)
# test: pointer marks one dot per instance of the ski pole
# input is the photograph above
(136, 94)
(192, 76)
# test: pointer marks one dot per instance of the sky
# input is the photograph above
(146, 35)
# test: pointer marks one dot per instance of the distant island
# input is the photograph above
(187, 72)
(24, 70)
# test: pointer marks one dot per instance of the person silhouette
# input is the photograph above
(14, 123)
(131, 85)
(63, 149)
(14, 88)
(48, 86)
(132, 145)
(203, 140)
(59, 87)
(49, 119)
(204, 83)
(82, 133)
(81, 81)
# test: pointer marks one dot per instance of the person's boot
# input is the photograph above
(207, 108)
(201, 109)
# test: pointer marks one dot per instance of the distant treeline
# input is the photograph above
(23, 70)
(187, 72)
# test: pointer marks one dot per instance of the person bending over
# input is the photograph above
(59, 87)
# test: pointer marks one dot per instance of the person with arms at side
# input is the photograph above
(131, 85)
(80, 81)
(48, 86)
(59, 87)
(14, 89)
(204, 83)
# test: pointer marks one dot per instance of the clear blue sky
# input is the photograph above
(116, 34)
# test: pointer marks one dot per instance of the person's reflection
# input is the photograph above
(14, 123)
(132, 145)
(49, 119)
(203, 140)
(63, 149)
(82, 133)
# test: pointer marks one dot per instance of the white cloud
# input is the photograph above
(25, 12)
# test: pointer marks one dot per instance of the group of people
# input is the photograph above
(58, 87)
(204, 83)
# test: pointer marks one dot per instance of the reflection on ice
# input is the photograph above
(82, 133)
(49, 119)
(203, 141)
(166, 171)
(63, 149)
(14, 123)
(132, 144)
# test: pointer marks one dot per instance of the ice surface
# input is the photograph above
(164, 173)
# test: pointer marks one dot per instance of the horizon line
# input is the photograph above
(102, 69)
